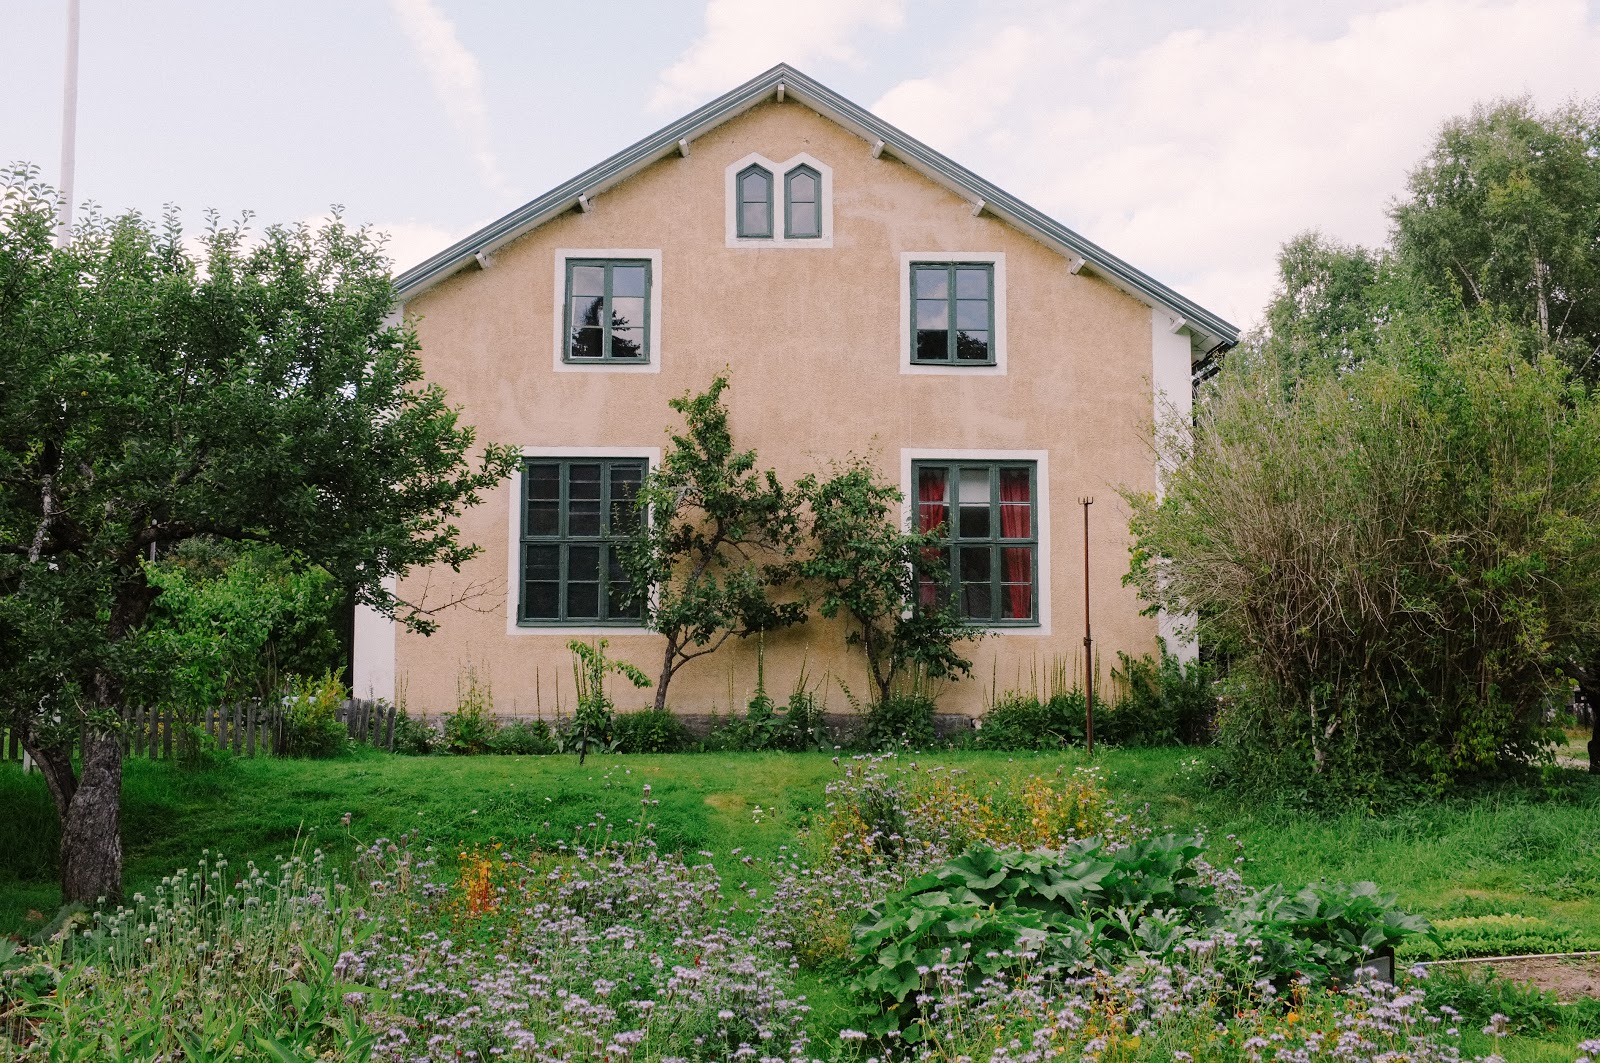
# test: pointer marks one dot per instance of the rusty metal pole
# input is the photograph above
(1088, 640)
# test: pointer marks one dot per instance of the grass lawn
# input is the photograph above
(1532, 854)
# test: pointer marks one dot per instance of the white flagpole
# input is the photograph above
(69, 126)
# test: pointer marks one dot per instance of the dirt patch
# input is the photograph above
(1568, 977)
(728, 802)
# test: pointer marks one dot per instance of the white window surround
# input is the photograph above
(779, 169)
(995, 258)
(559, 309)
(1041, 509)
(652, 456)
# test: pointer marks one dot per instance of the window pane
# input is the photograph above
(933, 313)
(628, 281)
(583, 563)
(1016, 570)
(627, 343)
(972, 314)
(544, 517)
(588, 280)
(583, 601)
(803, 219)
(586, 343)
(627, 311)
(972, 346)
(931, 282)
(933, 345)
(583, 499)
(972, 283)
(541, 562)
(754, 187)
(754, 220)
(976, 595)
(541, 601)
(802, 188)
(543, 486)
(587, 310)
(625, 480)
(932, 503)
(1016, 509)
(621, 602)
(974, 502)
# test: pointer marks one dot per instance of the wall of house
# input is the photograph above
(812, 341)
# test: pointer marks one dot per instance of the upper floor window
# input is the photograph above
(802, 203)
(755, 201)
(952, 311)
(576, 515)
(985, 514)
(607, 310)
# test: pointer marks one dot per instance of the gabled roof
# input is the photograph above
(1209, 330)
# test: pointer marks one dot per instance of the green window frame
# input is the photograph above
(988, 512)
(576, 515)
(753, 216)
(952, 313)
(804, 223)
(607, 311)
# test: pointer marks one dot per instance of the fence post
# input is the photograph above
(388, 728)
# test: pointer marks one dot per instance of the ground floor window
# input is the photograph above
(985, 515)
(576, 514)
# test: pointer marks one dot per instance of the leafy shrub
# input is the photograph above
(415, 737)
(524, 738)
(1022, 722)
(1479, 993)
(1161, 701)
(1089, 905)
(310, 724)
(589, 730)
(471, 727)
(901, 720)
(1158, 702)
(648, 731)
(798, 727)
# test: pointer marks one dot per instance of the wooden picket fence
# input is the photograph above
(246, 729)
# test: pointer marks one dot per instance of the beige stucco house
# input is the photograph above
(867, 295)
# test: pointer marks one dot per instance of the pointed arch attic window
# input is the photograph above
(802, 203)
(754, 186)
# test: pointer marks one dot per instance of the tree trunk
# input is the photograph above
(91, 834)
(1589, 688)
(87, 807)
(666, 672)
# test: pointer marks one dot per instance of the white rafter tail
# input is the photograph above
(484, 259)
(1075, 265)
(780, 92)
(977, 207)
(683, 148)
(877, 149)
(1177, 323)
(585, 204)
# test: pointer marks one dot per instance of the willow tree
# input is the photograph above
(154, 389)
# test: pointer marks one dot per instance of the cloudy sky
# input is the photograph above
(1191, 139)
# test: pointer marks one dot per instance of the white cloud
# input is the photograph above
(457, 82)
(744, 37)
(1196, 154)
(410, 242)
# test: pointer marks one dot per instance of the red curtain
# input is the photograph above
(1016, 568)
(933, 511)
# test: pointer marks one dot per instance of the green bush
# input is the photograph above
(901, 719)
(310, 728)
(415, 737)
(800, 726)
(471, 727)
(1087, 905)
(649, 731)
(1161, 701)
(1023, 722)
(524, 738)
